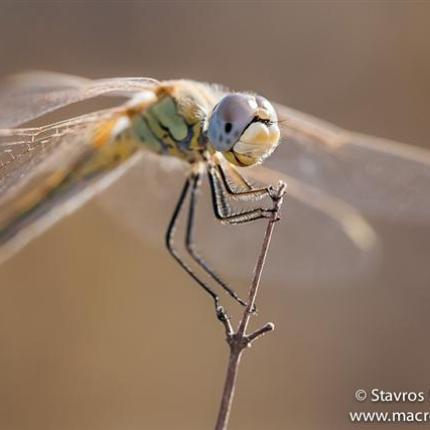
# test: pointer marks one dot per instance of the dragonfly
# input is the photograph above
(337, 180)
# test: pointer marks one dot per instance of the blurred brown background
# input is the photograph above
(100, 331)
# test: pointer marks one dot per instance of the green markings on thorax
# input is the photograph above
(161, 128)
(167, 113)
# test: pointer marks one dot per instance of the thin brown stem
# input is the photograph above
(239, 340)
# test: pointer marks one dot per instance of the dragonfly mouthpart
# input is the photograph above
(256, 144)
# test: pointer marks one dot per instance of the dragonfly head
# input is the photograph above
(244, 128)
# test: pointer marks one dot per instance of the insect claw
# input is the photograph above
(277, 192)
(272, 191)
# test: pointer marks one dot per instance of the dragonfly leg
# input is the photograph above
(250, 191)
(189, 240)
(221, 315)
(222, 209)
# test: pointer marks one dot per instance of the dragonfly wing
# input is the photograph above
(29, 96)
(23, 149)
(35, 190)
(345, 191)
(380, 178)
(143, 201)
(40, 80)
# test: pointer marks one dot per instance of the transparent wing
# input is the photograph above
(23, 149)
(31, 159)
(349, 198)
(378, 177)
(38, 80)
(320, 239)
(30, 95)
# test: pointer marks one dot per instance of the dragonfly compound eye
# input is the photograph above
(244, 127)
(229, 119)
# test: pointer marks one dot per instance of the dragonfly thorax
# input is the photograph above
(173, 122)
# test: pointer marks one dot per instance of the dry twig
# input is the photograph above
(240, 340)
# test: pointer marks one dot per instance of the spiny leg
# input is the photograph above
(189, 240)
(169, 244)
(222, 209)
(250, 192)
